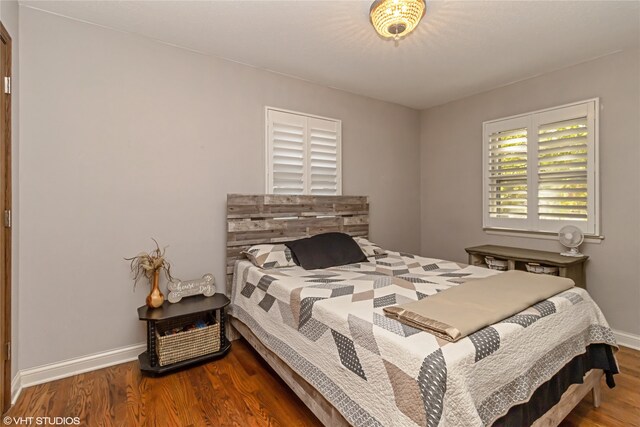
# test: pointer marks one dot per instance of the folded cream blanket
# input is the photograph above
(464, 309)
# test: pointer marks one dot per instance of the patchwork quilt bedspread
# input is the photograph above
(329, 326)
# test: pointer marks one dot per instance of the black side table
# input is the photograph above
(200, 304)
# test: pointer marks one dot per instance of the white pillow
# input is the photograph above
(369, 249)
(270, 256)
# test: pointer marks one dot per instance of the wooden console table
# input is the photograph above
(517, 258)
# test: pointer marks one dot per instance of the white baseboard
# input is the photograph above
(55, 371)
(16, 388)
(627, 340)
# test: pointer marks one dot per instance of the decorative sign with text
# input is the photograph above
(187, 288)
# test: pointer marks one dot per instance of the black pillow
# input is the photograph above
(326, 250)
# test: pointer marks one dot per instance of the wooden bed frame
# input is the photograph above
(256, 219)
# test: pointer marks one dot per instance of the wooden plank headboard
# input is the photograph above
(267, 218)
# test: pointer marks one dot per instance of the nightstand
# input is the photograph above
(518, 258)
(167, 353)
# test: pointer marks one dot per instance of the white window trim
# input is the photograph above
(594, 237)
(543, 235)
(267, 146)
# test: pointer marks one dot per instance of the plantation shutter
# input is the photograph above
(506, 172)
(324, 151)
(303, 154)
(540, 170)
(565, 167)
(286, 153)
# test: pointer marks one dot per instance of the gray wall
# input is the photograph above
(123, 138)
(9, 18)
(451, 174)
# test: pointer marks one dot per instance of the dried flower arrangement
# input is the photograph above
(145, 264)
(149, 265)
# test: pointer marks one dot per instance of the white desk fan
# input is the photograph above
(571, 237)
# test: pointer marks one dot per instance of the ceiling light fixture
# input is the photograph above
(396, 18)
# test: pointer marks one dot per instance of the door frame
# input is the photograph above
(5, 223)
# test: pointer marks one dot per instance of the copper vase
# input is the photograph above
(155, 298)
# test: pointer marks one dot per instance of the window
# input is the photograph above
(303, 154)
(540, 170)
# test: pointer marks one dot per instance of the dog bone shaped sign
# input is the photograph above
(187, 288)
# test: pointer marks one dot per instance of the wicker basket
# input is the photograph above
(496, 264)
(186, 345)
(536, 268)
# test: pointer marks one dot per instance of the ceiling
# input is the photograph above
(460, 48)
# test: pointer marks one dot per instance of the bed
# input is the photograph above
(324, 332)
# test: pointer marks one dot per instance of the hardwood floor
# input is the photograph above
(620, 405)
(241, 390)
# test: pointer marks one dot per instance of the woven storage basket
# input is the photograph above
(536, 268)
(186, 345)
(496, 264)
